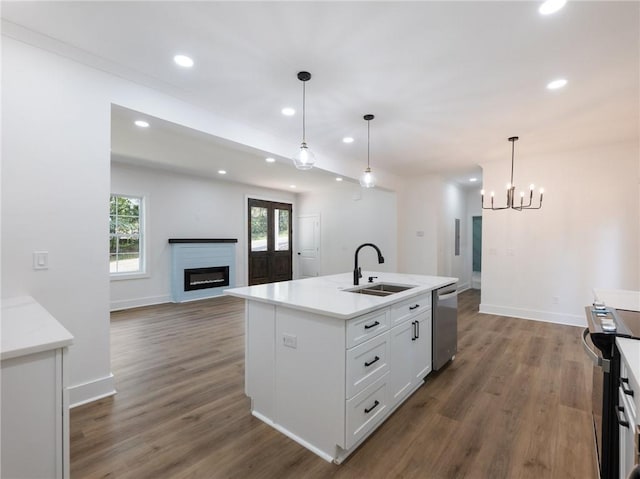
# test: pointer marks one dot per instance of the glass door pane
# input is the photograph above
(259, 228)
(281, 227)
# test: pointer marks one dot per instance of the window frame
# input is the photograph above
(142, 271)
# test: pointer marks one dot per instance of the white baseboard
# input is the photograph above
(545, 316)
(462, 286)
(120, 304)
(91, 391)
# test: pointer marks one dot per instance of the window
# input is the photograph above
(125, 235)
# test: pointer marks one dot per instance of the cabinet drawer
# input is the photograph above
(366, 363)
(365, 410)
(405, 309)
(367, 326)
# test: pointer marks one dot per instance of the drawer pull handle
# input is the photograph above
(375, 405)
(414, 334)
(376, 359)
(623, 422)
(372, 325)
(624, 384)
(414, 307)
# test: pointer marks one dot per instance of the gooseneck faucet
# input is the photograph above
(357, 273)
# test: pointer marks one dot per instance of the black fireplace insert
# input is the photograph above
(203, 278)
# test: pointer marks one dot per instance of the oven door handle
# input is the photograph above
(598, 360)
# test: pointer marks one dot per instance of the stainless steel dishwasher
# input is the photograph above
(445, 325)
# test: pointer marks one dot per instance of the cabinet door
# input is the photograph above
(32, 420)
(421, 347)
(400, 361)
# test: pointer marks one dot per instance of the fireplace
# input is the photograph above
(204, 278)
(202, 267)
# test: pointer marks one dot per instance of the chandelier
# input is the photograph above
(511, 191)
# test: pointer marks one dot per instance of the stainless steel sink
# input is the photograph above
(380, 289)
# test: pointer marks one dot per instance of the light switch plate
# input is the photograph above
(40, 260)
(290, 340)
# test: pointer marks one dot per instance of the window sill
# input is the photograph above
(124, 276)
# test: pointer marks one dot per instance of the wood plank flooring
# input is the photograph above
(513, 404)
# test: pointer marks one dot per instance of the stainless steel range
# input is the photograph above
(604, 325)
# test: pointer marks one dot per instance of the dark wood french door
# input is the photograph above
(270, 242)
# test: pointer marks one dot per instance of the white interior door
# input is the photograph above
(308, 246)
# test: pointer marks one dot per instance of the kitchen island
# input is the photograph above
(326, 365)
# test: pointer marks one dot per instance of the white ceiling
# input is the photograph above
(449, 82)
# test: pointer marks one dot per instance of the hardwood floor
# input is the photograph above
(513, 404)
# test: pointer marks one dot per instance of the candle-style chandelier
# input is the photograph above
(511, 191)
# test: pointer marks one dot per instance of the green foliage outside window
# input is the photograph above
(124, 234)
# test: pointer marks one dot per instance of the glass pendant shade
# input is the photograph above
(367, 179)
(304, 158)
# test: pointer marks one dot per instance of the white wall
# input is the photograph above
(544, 264)
(427, 209)
(349, 216)
(454, 206)
(55, 186)
(419, 207)
(55, 190)
(182, 206)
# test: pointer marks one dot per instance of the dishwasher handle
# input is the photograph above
(597, 360)
(447, 295)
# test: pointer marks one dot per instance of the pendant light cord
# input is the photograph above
(368, 141)
(303, 111)
(513, 145)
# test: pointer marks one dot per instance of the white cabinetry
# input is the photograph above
(34, 398)
(628, 409)
(410, 345)
(328, 383)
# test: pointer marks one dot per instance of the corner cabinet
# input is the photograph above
(328, 383)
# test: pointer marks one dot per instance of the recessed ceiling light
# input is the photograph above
(347, 139)
(288, 111)
(222, 172)
(338, 179)
(270, 160)
(556, 84)
(141, 123)
(472, 180)
(183, 61)
(292, 186)
(551, 6)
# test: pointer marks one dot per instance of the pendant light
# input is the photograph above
(367, 179)
(511, 191)
(304, 157)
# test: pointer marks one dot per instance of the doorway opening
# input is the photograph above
(476, 270)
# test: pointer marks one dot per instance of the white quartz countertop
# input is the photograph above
(27, 328)
(630, 350)
(325, 294)
(619, 298)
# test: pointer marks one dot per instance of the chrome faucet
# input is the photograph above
(357, 272)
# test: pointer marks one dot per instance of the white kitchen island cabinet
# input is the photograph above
(34, 402)
(326, 366)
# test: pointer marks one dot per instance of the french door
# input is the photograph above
(270, 241)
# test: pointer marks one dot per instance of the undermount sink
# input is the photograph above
(380, 289)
